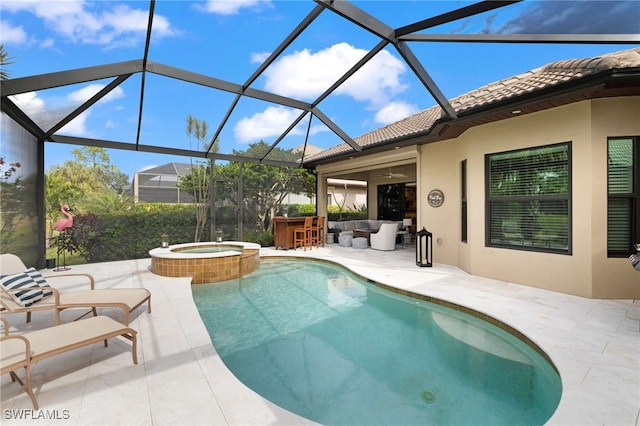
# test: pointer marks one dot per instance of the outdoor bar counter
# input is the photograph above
(283, 230)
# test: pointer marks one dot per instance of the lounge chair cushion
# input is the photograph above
(33, 284)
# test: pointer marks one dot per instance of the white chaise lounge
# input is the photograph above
(19, 351)
(14, 273)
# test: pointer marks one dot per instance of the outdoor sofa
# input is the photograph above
(346, 227)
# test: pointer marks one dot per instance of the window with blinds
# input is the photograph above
(528, 196)
(623, 193)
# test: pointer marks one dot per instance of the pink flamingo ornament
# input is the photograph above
(63, 224)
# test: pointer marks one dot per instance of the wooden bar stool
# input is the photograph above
(302, 236)
(317, 233)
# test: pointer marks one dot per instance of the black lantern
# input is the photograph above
(424, 248)
(164, 240)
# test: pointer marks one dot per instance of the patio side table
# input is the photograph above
(405, 238)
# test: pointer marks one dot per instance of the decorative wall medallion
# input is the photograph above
(435, 198)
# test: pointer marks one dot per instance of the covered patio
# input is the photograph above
(180, 379)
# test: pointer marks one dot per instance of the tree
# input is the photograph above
(89, 175)
(58, 191)
(14, 204)
(4, 61)
(91, 171)
(197, 183)
(96, 162)
(265, 187)
(107, 202)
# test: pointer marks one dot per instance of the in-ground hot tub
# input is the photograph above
(206, 262)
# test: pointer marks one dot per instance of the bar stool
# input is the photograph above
(317, 233)
(302, 236)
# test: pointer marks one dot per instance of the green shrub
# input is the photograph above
(130, 235)
(264, 238)
(347, 215)
(298, 210)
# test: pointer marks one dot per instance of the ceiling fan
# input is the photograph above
(391, 175)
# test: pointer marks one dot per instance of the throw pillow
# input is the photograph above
(32, 284)
(38, 278)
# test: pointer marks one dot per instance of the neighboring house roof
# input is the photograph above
(177, 169)
(309, 150)
(534, 89)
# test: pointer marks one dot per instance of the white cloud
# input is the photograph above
(305, 74)
(377, 81)
(395, 111)
(47, 43)
(34, 106)
(11, 34)
(315, 129)
(75, 20)
(77, 126)
(259, 57)
(29, 102)
(232, 7)
(85, 93)
(272, 122)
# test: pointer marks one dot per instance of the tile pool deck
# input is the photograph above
(180, 380)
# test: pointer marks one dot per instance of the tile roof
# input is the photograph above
(510, 88)
(176, 169)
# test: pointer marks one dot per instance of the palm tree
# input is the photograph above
(4, 61)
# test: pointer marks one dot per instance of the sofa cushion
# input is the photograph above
(349, 225)
(371, 224)
(374, 224)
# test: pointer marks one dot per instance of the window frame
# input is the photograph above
(464, 225)
(493, 200)
(633, 197)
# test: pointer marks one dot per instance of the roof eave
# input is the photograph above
(608, 83)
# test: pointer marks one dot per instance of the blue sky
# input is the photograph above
(228, 40)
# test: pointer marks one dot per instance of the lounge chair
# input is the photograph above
(23, 350)
(127, 299)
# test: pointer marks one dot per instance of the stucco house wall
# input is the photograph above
(587, 271)
(612, 278)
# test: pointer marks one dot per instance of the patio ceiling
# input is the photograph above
(156, 81)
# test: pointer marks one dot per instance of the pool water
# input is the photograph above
(322, 343)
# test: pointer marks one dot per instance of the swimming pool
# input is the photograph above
(325, 344)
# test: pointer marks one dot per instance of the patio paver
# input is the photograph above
(181, 380)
